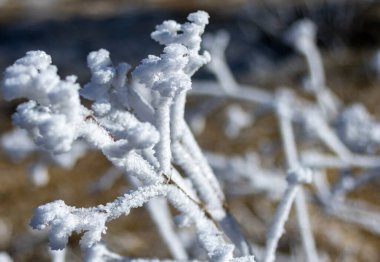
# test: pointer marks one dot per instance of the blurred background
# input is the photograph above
(348, 37)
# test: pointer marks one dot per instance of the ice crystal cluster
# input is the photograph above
(136, 119)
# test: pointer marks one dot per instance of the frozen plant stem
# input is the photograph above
(305, 227)
(293, 164)
(159, 212)
(111, 126)
(162, 148)
(57, 214)
(144, 134)
(296, 176)
(190, 158)
(277, 227)
(170, 75)
(188, 155)
(183, 144)
(217, 45)
(178, 115)
(245, 93)
(303, 37)
(192, 146)
(316, 159)
(315, 120)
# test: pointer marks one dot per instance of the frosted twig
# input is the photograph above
(159, 212)
(188, 35)
(305, 227)
(246, 93)
(219, 213)
(296, 176)
(136, 119)
(170, 68)
(157, 208)
(185, 150)
(65, 219)
(192, 146)
(170, 75)
(315, 121)
(302, 35)
(162, 123)
(216, 45)
(277, 226)
(243, 175)
(317, 159)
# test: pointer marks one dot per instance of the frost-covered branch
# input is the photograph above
(302, 35)
(297, 175)
(136, 118)
(244, 175)
(64, 219)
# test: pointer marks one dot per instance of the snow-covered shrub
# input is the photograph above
(136, 119)
(142, 138)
